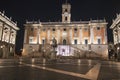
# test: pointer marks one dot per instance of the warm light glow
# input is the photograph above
(44, 61)
(20, 61)
(33, 65)
(23, 52)
(33, 50)
(118, 48)
(79, 61)
(33, 60)
(89, 62)
(64, 33)
(32, 40)
(1, 46)
(64, 50)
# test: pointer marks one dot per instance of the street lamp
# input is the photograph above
(33, 53)
(44, 53)
(44, 60)
(1, 47)
(118, 48)
(21, 51)
(1, 51)
(90, 53)
(118, 52)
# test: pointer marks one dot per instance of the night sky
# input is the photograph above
(50, 10)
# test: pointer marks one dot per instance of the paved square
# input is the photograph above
(85, 70)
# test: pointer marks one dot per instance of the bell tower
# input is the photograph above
(66, 12)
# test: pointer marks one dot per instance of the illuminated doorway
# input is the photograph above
(64, 42)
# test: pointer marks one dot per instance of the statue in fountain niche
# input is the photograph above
(54, 45)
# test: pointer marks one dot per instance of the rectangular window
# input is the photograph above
(98, 28)
(75, 29)
(85, 29)
(53, 29)
(75, 41)
(64, 29)
(65, 18)
(99, 41)
(32, 29)
(86, 41)
(32, 40)
(43, 29)
(43, 41)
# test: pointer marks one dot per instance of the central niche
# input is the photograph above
(64, 41)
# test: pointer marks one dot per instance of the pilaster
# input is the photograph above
(71, 35)
(80, 34)
(48, 35)
(58, 36)
(91, 35)
(38, 35)
(25, 35)
(105, 35)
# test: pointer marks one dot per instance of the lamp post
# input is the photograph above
(90, 53)
(118, 52)
(54, 45)
(21, 52)
(1, 51)
(33, 53)
(79, 61)
(44, 53)
(44, 60)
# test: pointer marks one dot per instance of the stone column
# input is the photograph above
(61, 36)
(80, 34)
(25, 35)
(38, 35)
(2, 37)
(58, 36)
(1, 30)
(48, 35)
(71, 34)
(91, 35)
(118, 35)
(1, 34)
(9, 37)
(14, 37)
(115, 37)
(10, 34)
(105, 35)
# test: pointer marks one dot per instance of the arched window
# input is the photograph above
(64, 29)
(64, 42)
(65, 18)
(66, 10)
(53, 29)
(75, 29)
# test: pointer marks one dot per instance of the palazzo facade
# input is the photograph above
(116, 29)
(8, 32)
(70, 35)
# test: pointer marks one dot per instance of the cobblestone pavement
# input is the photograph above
(83, 69)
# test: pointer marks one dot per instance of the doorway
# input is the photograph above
(64, 42)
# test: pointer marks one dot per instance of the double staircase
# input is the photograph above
(79, 53)
(46, 51)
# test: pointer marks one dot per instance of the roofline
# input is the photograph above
(115, 22)
(8, 21)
